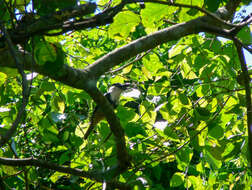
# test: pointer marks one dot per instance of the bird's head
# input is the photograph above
(115, 91)
(121, 86)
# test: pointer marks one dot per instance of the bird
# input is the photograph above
(113, 96)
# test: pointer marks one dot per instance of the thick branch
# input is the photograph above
(44, 24)
(86, 79)
(145, 43)
(56, 20)
(247, 80)
(122, 154)
(81, 79)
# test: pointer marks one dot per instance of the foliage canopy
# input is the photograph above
(183, 125)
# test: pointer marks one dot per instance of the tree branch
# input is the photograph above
(56, 21)
(41, 26)
(138, 57)
(122, 154)
(95, 175)
(51, 166)
(81, 79)
(4, 138)
(247, 80)
(86, 79)
(209, 14)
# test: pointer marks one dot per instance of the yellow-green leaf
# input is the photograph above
(124, 23)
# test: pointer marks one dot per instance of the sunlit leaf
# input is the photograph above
(124, 23)
(245, 35)
(45, 52)
(183, 158)
(214, 163)
(177, 179)
(216, 131)
(3, 78)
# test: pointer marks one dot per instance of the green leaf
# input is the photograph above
(177, 179)
(228, 149)
(170, 133)
(177, 50)
(146, 72)
(49, 137)
(65, 135)
(64, 157)
(152, 63)
(10, 72)
(168, 113)
(53, 130)
(147, 112)
(9, 170)
(124, 23)
(56, 176)
(47, 86)
(133, 129)
(4, 14)
(196, 181)
(183, 99)
(157, 170)
(58, 104)
(152, 13)
(216, 131)
(45, 52)
(245, 35)
(183, 158)
(192, 12)
(125, 114)
(3, 78)
(212, 5)
(44, 123)
(232, 149)
(216, 150)
(186, 71)
(202, 113)
(215, 164)
(159, 89)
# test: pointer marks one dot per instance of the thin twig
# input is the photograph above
(138, 57)
(212, 15)
(165, 155)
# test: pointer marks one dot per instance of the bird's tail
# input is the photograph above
(95, 119)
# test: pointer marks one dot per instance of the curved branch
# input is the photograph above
(247, 80)
(95, 175)
(40, 163)
(122, 154)
(82, 79)
(4, 138)
(235, 30)
(44, 24)
(56, 20)
(244, 46)
(209, 14)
